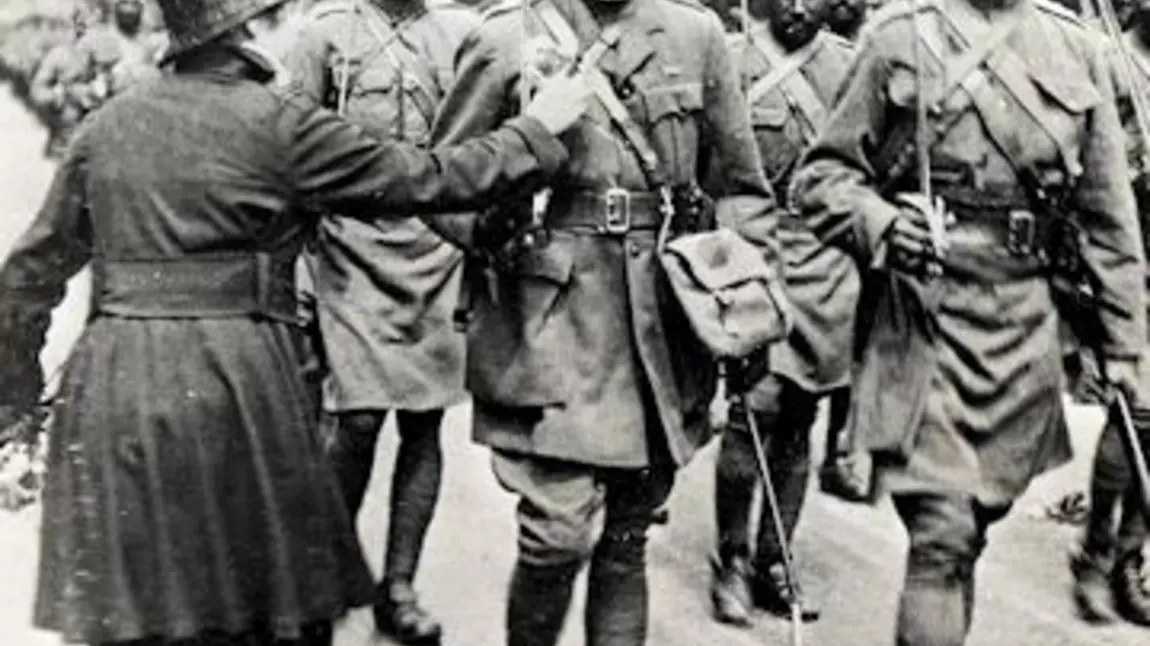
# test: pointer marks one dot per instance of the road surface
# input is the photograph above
(851, 555)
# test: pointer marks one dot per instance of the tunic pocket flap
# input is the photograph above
(674, 99)
(553, 263)
(1073, 95)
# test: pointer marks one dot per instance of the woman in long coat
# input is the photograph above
(187, 498)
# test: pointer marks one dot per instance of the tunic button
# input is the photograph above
(633, 249)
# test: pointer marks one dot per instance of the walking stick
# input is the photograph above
(772, 500)
(1132, 444)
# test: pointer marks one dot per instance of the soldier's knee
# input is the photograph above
(555, 541)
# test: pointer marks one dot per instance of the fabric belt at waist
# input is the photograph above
(256, 284)
(608, 212)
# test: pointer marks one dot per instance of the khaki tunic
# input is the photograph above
(585, 349)
(821, 281)
(975, 379)
(386, 289)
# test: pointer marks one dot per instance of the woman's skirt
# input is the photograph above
(186, 490)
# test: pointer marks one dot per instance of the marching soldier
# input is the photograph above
(386, 289)
(1108, 568)
(59, 87)
(791, 69)
(187, 500)
(587, 383)
(971, 159)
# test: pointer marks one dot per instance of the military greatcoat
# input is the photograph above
(584, 349)
(385, 289)
(965, 368)
(821, 281)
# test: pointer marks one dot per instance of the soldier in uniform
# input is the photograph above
(846, 17)
(188, 501)
(587, 383)
(122, 53)
(791, 69)
(59, 87)
(1108, 567)
(386, 289)
(958, 385)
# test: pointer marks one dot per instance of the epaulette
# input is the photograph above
(1059, 11)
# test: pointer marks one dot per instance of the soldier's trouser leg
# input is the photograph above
(947, 535)
(414, 491)
(786, 429)
(557, 512)
(616, 613)
(1112, 485)
(352, 453)
(784, 414)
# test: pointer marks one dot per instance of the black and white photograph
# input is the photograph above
(574, 322)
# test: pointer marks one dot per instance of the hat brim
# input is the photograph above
(178, 46)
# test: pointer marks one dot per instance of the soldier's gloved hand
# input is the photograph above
(745, 372)
(1123, 375)
(560, 102)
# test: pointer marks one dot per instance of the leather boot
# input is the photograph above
(616, 613)
(1092, 592)
(731, 591)
(537, 603)
(1130, 588)
(399, 615)
(772, 592)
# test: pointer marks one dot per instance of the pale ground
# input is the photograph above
(851, 554)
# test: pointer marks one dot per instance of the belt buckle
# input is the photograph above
(618, 213)
(1022, 232)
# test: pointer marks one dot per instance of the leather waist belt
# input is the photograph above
(1020, 231)
(614, 211)
(1002, 198)
(257, 284)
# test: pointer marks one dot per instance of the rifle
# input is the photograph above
(1115, 398)
(935, 221)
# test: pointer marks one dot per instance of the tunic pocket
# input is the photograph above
(541, 278)
(1069, 100)
(673, 100)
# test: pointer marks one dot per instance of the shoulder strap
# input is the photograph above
(616, 111)
(425, 99)
(795, 87)
(1013, 75)
(957, 73)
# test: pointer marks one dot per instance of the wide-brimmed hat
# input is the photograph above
(191, 23)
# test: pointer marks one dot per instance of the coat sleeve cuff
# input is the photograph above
(546, 147)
